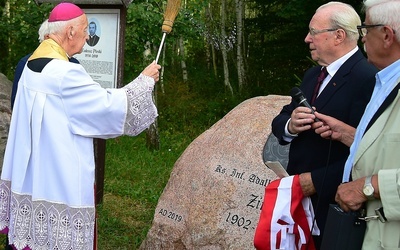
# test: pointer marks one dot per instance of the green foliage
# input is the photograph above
(143, 25)
(19, 27)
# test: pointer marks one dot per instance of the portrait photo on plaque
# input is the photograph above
(100, 53)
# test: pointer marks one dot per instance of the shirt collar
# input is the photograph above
(334, 67)
(389, 74)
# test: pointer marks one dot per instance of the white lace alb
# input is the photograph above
(142, 111)
(43, 224)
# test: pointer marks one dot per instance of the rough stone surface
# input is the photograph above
(214, 195)
(5, 113)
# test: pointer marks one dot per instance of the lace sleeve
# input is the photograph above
(141, 111)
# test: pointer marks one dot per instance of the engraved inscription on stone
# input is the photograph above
(252, 185)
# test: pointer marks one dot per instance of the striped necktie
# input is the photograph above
(320, 79)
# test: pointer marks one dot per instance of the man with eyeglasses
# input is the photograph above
(372, 171)
(332, 39)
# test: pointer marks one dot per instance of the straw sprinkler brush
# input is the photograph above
(171, 11)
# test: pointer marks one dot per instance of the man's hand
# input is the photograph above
(332, 128)
(152, 71)
(300, 120)
(349, 195)
(307, 186)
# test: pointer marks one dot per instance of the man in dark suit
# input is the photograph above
(93, 38)
(344, 94)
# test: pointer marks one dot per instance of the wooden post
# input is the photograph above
(100, 160)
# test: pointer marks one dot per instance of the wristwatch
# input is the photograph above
(368, 189)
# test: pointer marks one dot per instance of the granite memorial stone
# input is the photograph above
(215, 192)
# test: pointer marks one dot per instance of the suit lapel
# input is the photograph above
(380, 122)
(338, 80)
(384, 105)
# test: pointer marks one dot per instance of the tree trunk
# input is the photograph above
(239, 47)
(183, 62)
(162, 69)
(214, 60)
(152, 136)
(223, 47)
(210, 44)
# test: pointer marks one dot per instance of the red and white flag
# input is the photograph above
(286, 217)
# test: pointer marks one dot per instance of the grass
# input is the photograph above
(134, 179)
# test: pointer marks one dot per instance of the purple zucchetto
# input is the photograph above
(65, 12)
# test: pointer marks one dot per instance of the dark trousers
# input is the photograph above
(7, 246)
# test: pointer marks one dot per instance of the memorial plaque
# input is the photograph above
(215, 192)
(100, 57)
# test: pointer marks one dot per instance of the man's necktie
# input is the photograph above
(320, 79)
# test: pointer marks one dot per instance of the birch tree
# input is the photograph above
(182, 51)
(239, 44)
(183, 62)
(224, 47)
(211, 55)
